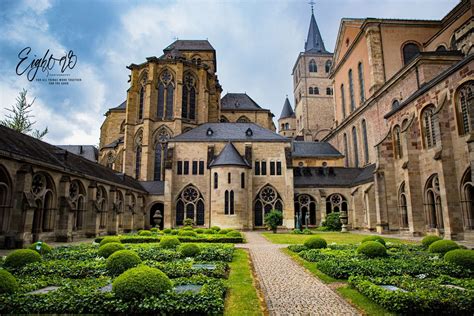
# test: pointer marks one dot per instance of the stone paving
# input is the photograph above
(287, 287)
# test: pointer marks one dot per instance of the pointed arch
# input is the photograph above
(305, 210)
(336, 202)
(165, 94)
(267, 199)
(428, 126)
(243, 119)
(467, 199)
(190, 204)
(138, 152)
(188, 102)
(433, 207)
(224, 119)
(464, 99)
(6, 190)
(161, 137)
(402, 206)
(328, 66)
(312, 66)
(44, 194)
(78, 198)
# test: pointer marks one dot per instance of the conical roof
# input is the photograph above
(314, 42)
(229, 156)
(287, 110)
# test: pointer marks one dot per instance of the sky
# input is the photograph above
(256, 42)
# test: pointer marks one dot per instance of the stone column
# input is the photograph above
(112, 221)
(91, 216)
(376, 63)
(63, 231)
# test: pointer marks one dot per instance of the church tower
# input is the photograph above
(312, 88)
(287, 120)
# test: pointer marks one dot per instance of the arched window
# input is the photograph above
(229, 202)
(465, 103)
(190, 204)
(433, 209)
(242, 180)
(101, 205)
(216, 180)
(138, 153)
(356, 147)
(428, 122)
(243, 119)
(165, 96)
(77, 198)
(361, 83)
(141, 102)
(311, 90)
(336, 203)
(312, 66)
(189, 97)
(343, 101)
(231, 206)
(42, 188)
(467, 200)
(267, 199)
(402, 207)
(224, 119)
(410, 51)
(397, 144)
(226, 202)
(118, 208)
(395, 104)
(5, 199)
(346, 151)
(287, 126)
(365, 141)
(441, 48)
(328, 91)
(161, 149)
(351, 91)
(316, 90)
(328, 66)
(305, 210)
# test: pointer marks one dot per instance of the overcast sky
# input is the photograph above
(257, 43)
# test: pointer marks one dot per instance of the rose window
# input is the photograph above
(268, 194)
(38, 184)
(190, 194)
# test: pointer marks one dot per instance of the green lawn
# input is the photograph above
(241, 298)
(330, 237)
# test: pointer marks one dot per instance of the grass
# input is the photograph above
(330, 237)
(241, 298)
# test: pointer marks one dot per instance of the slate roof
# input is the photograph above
(336, 177)
(14, 144)
(314, 43)
(229, 156)
(239, 101)
(229, 132)
(121, 107)
(287, 110)
(314, 149)
(202, 45)
(115, 143)
(154, 187)
(87, 151)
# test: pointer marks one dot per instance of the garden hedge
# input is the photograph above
(372, 249)
(107, 239)
(374, 238)
(109, 248)
(168, 242)
(461, 257)
(21, 257)
(145, 233)
(428, 240)
(315, 243)
(140, 282)
(199, 239)
(189, 250)
(8, 283)
(443, 246)
(122, 260)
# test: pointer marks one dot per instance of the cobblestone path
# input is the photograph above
(287, 287)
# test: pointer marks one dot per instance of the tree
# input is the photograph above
(20, 119)
(273, 219)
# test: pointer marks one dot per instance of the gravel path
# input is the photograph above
(287, 287)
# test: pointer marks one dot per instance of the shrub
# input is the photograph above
(315, 243)
(461, 257)
(21, 257)
(188, 222)
(297, 248)
(169, 242)
(188, 228)
(8, 283)
(108, 239)
(332, 222)
(372, 249)
(297, 231)
(154, 230)
(109, 248)
(122, 260)
(216, 228)
(225, 231)
(443, 246)
(374, 238)
(428, 240)
(188, 233)
(209, 231)
(145, 233)
(323, 229)
(307, 231)
(174, 232)
(140, 282)
(199, 231)
(234, 233)
(167, 230)
(41, 247)
(273, 219)
(189, 250)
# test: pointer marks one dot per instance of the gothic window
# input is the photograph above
(365, 141)
(229, 202)
(278, 168)
(311, 90)
(5, 199)
(312, 66)
(101, 205)
(226, 202)
(328, 91)
(141, 102)
(231, 208)
(138, 153)
(243, 119)
(272, 168)
(410, 51)
(453, 43)
(351, 91)
(402, 207)
(315, 90)
(257, 167)
(467, 200)
(43, 194)
(186, 167)
(356, 147)
(118, 208)
(346, 151)
(189, 97)
(190, 204)
(361, 83)
(110, 160)
(433, 209)
(395, 104)
(428, 122)
(343, 102)
(201, 167)
(336, 203)
(263, 170)
(465, 104)
(242, 180)
(77, 199)
(122, 127)
(328, 66)
(267, 199)
(305, 210)
(161, 150)
(165, 96)
(216, 180)
(224, 119)
(397, 142)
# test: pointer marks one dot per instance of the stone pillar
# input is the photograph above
(21, 221)
(63, 231)
(376, 63)
(112, 220)
(91, 216)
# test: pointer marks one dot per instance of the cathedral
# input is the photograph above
(382, 131)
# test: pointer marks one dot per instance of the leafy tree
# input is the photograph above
(273, 219)
(20, 119)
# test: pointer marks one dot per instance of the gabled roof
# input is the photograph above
(314, 149)
(239, 101)
(210, 132)
(314, 43)
(120, 107)
(229, 156)
(115, 143)
(154, 187)
(287, 110)
(87, 151)
(182, 45)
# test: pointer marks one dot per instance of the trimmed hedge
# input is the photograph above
(428, 240)
(297, 248)
(461, 257)
(145, 233)
(167, 230)
(215, 228)
(44, 248)
(21, 257)
(109, 248)
(315, 243)
(8, 283)
(122, 260)
(108, 239)
(199, 239)
(443, 246)
(372, 249)
(234, 233)
(187, 233)
(169, 242)
(189, 250)
(225, 231)
(374, 238)
(140, 282)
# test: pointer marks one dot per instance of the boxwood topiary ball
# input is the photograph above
(21, 257)
(167, 230)
(187, 228)
(44, 248)
(234, 233)
(443, 246)
(8, 283)
(428, 240)
(145, 233)
(216, 228)
(109, 248)
(140, 282)
(187, 233)
(122, 260)
(374, 238)
(199, 230)
(224, 231)
(108, 239)
(372, 249)
(189, 250)
(209, 231)
(169, 242)
(461, 257)
(315, 243)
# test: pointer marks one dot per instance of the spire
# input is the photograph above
(314, 42)
(287, 110)
(229, 156)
